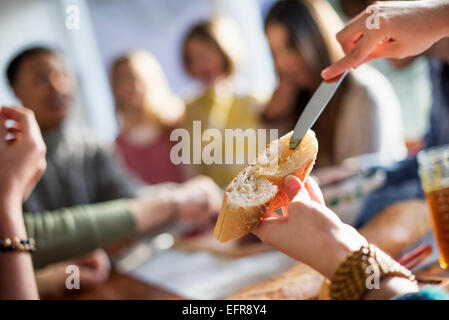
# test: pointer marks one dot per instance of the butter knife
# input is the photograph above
(314, 108)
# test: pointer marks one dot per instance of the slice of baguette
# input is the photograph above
(260, 185)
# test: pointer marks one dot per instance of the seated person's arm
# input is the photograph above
(71, 232)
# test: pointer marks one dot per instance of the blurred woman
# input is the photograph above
(364, 115)
(147, 110)
(211, 54)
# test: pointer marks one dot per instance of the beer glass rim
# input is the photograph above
(430, 156)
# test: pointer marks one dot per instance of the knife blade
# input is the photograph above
(313, 109)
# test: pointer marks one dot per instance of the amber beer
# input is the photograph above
(434, 172)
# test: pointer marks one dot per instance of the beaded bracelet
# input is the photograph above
(15, 244)
(350, 280)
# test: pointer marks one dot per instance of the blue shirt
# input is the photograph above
(425, 293)
(402, 181)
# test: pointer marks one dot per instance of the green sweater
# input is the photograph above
(71, 232)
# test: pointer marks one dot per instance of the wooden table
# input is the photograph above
(434, 275)
(123, 287)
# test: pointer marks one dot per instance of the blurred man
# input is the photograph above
(80, 170)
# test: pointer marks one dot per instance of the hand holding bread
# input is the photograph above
(307, 225)
(259, 187)
(309, 232)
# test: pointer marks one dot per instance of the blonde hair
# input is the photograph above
(161, 105)
(329, 24)
(222, 33)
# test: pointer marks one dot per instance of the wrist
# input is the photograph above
(344, 241)
(12, 223)
(10, 194)
(10, 202)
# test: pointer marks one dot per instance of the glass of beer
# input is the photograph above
(434, 173)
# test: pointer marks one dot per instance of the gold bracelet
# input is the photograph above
(350, 281)
(15, 244)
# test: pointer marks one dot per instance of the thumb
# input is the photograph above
(295, 189)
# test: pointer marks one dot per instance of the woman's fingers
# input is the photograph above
(355, 57)
(314, 191)
(386, 49)
(20, 115)
(25, 123)
(353, 31)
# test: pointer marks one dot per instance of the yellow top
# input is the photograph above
(221, 110)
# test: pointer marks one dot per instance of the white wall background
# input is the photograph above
(159, 27)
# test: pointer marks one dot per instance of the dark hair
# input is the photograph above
(310, 27)
(303, 32)
(14, 65)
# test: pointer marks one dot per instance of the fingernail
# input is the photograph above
(325, 73)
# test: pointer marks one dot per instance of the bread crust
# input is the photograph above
(231, 225)
(235, 221)
(299, 282)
